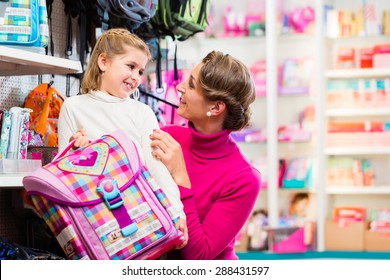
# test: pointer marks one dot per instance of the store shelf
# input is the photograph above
(301, 190)
(348, 190)
(358, 73)
(357, 151)
(15, 62)
(11, 180)
(358, 112)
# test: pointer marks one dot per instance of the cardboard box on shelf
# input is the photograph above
(346, 236)
(376, 240)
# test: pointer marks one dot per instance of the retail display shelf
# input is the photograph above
(15, 62)
(375, 38)
(314, 255)
(249, 39)
(279, 142)
(11, 180)
(358, 73)
(224, 40)
(348, 190)
(358, 112)
(357, 151)
(302, 190)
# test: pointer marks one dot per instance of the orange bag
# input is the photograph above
(46, 102)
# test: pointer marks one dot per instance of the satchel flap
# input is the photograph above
(74, 178)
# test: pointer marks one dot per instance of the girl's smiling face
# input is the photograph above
(122, 74)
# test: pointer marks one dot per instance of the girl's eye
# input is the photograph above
(141, 73)
(191, 84)
(130, 66)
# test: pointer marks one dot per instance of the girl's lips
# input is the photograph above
(129, 86)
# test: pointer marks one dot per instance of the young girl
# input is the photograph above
(113, 74)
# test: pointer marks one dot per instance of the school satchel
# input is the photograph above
(45, 102)
(101, 202)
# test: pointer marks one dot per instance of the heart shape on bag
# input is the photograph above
(92, 160)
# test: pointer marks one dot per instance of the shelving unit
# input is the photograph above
(357, 112)
(273, 110)
(15, 62)
(358, 73)
(276, 48)
(371, 197)
(11, 180)
(355, 190)
(339, 151)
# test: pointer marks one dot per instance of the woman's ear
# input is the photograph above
(219, 107)
(102, 61)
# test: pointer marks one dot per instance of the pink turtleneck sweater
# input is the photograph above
(224, 189)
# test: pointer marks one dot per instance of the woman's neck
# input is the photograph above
(208, 127)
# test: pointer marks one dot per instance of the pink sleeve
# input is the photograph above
(208, 238)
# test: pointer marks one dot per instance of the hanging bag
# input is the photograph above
(45, 102)
(101, 202)
(24, 23)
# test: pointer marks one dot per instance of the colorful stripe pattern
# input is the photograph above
(25, 22)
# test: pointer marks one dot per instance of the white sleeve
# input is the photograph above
(66, 126)
(147, 123)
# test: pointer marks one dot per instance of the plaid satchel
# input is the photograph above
(101, 202)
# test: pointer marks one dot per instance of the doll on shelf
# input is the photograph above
(300, 214)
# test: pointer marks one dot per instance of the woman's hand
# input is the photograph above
(168, 151)
(81, 138)
(182, 226)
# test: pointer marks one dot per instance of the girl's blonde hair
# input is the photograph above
(112, 42)
(225, 78)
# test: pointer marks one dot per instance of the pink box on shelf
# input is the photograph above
(287, 240)
(381, 60)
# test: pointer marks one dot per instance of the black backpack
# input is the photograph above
(85, 11)
(128, 14)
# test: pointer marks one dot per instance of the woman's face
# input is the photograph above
(122, 74)
(193, 105)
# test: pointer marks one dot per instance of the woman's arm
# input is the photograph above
(167, 150)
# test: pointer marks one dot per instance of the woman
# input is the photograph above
(218, 186)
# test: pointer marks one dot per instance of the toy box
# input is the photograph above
(348, 236)
(287, 240)
(376, 240)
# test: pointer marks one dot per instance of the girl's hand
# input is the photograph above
(168, 151)
(81, 139)
(182, 226)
